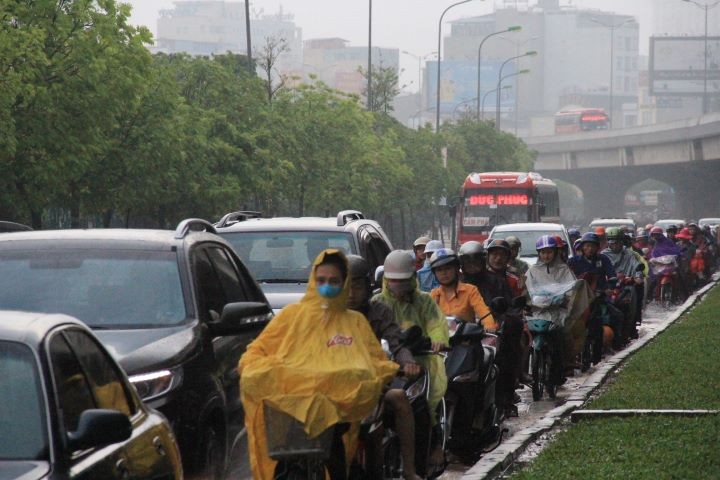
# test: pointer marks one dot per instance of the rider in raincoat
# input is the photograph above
(316, 361)
(413, 307)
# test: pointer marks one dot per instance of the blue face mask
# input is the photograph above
(329, 291)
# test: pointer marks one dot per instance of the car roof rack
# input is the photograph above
(186, 226)
(347, 216)
(235, 217)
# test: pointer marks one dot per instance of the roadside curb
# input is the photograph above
(496, 462)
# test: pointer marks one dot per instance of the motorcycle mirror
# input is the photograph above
(499, 305)
(519, 302)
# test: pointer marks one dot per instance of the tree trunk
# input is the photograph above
(107, 218)
(36, 220)
(402, 227)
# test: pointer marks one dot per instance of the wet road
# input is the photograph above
(529, 411)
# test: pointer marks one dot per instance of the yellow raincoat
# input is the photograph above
(317, 361)
(424, 312)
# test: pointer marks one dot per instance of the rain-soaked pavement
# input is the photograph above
(530, 412)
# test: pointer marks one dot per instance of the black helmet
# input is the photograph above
(444, 256)
(590, 237)
(672, 228)
(498, 243)
(359, 267)
(470, 252)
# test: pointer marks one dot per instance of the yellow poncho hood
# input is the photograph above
(317, 361)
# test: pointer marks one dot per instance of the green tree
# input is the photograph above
(385, 87)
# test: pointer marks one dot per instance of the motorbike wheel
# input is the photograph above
(666, 295)
(393, 460)
(537, 374)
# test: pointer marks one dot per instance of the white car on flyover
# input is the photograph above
(528, 233)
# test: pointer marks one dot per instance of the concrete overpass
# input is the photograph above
(605, 164)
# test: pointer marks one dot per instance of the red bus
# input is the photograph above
(498, 198)
(581, 120)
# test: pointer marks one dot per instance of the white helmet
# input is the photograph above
(433, 246)
(421, 241)
(399, 265)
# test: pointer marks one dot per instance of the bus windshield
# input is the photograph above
(484, 208)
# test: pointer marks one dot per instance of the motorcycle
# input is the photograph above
(473, 417)
(623, 297)
(378, 455)
(546, 357)
(299, 456)
(664, 270)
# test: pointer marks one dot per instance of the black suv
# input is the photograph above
(176, 309)
(280, 251)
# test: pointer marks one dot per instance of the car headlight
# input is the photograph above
(156, 384)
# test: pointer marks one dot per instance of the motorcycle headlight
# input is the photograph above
(156, 384)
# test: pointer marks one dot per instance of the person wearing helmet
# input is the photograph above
(555, 294)
(516, 266)
(412, 307)
(426, 279)
(456, 298)
(498, 259)
(671, 231)
(576, 247)
(419, 250)
(573, 234)
(510, 356)
(641, 244)
(601, 233)
(561, 248)
(661, 245)
(314, 352)
(473, 261)
(624, 261)
(705, 245)
(382, 322)
(590, 264)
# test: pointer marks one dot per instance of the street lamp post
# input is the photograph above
(612, 28)
(515, 28)
(482, 111)
(248, 36)
(531, 53)
(518, 44)
(498, 91)
(706, 7)
(437, 106)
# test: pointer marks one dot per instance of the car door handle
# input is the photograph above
(159, 447)
(122, 469)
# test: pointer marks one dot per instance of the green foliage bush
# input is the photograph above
(96, 131)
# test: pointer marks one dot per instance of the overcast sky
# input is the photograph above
(405, 24)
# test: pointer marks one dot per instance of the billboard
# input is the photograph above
(677, 66)
(458, 85)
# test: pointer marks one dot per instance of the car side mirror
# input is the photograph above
(241, 317)
(98, 428)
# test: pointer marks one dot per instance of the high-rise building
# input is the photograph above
(215, 27)
(335, 63)
(573, 61)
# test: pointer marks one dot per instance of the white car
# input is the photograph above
(528, 233)
(613, 222)
(713, 222)
(665, 223)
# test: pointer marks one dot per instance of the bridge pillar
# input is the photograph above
(697, 192)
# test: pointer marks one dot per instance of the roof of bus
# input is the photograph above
(575, 111)
(506, 179)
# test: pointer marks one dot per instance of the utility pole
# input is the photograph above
(369, 69)
(248, 35)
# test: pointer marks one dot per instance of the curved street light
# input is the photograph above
(515, 28)
(518, 44)
(499, 87)
(612, 28)
(531, 53)
(437, 106)
(482, 111)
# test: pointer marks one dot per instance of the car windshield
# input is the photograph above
(23, 426)
(105, 289)
(528, 239)
(282, 257)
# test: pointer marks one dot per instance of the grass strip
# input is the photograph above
(680, 369)
(632, 448)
